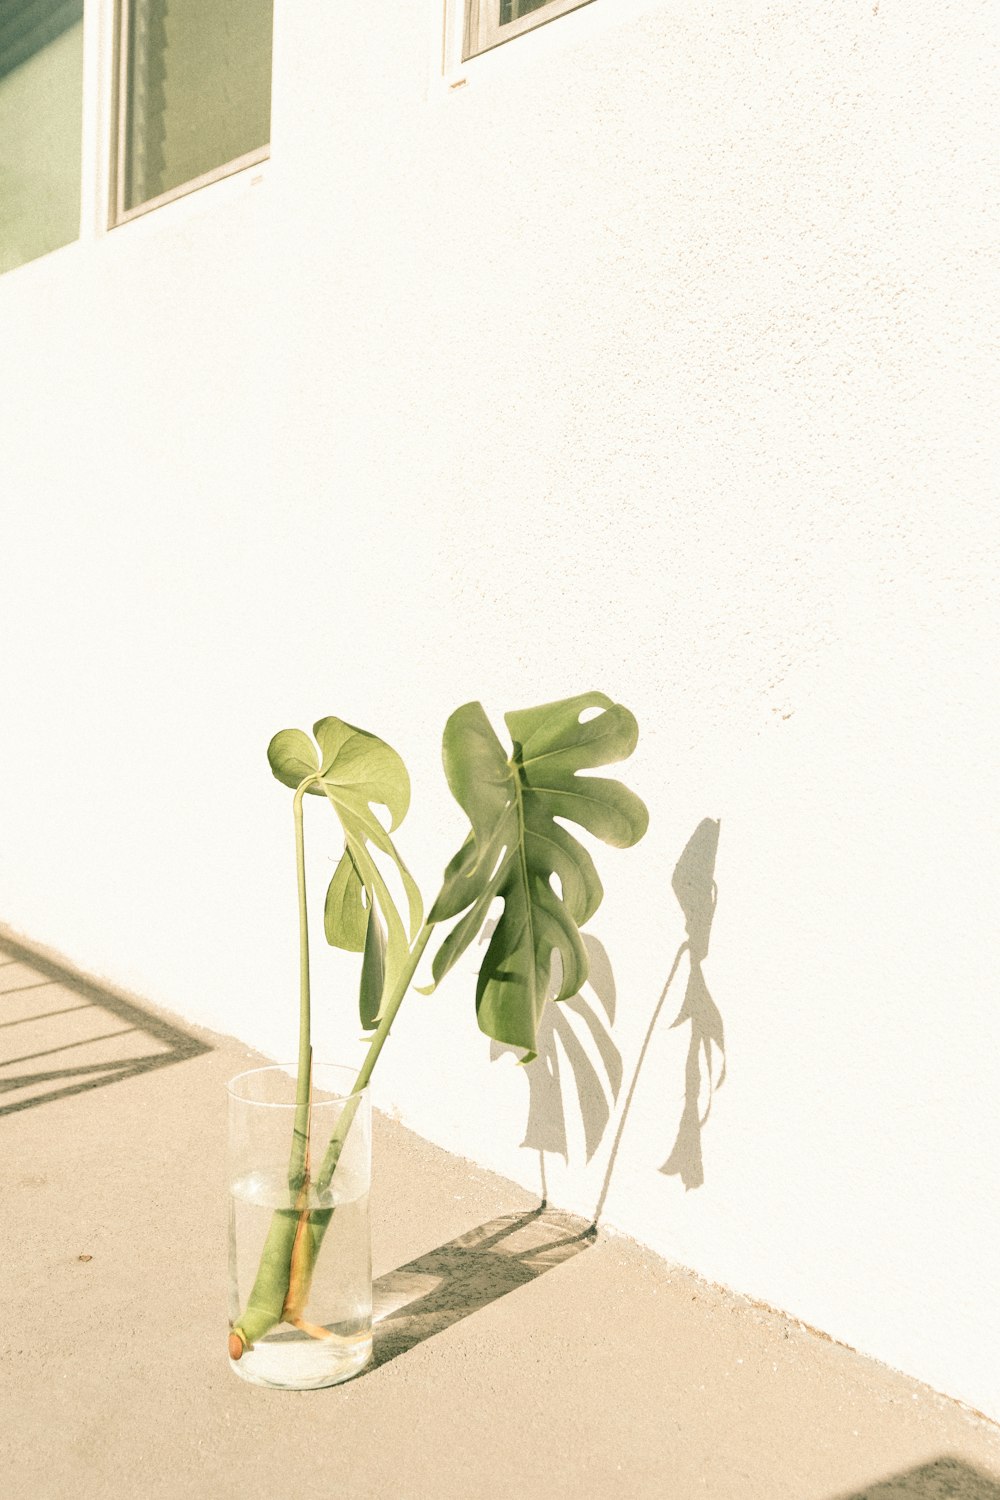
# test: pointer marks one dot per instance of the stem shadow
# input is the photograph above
(693, 884)
(697, 893)
(593, 1061)
(443, 1286)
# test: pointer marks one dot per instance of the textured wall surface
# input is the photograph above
(650, 359)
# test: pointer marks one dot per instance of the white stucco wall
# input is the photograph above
(652, 359)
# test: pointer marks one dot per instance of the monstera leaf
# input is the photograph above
(518, 851)
(355, 770)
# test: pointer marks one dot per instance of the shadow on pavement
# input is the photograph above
(429, 1294)
(944, 1479)
(61, 1033)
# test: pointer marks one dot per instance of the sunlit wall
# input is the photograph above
(648, 357)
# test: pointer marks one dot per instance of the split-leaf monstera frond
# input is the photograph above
(357, 771)
(517, 850)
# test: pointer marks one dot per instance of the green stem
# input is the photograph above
(350, 1109)
(298, 1166)
(319, 1219)
(266, 1302)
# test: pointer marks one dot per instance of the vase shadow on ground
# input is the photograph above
(437, 1289)
(62, 1033)
(945, 1478)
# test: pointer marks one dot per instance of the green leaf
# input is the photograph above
(357, 772)
(345, 916)
(363, 768)
(372, 972)
(517, 851)
(292, 757)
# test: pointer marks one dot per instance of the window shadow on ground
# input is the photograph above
(439, 1288)
(62, 1034)
(944, 1479)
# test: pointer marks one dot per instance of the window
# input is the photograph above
(490, 22)
(194, 96)
(41, 126)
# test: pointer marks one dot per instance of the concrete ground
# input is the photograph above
(517, 1355)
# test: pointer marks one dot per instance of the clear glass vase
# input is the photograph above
(300, 1276)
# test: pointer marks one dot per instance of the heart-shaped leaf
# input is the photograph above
(356, 772)
(518, 851)
(292, 757)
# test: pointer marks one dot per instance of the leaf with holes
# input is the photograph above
(517, 850)
(356, 771)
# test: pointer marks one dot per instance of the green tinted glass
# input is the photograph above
(199, 90)
(41, 112)
(513, 10)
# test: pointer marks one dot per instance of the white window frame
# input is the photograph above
(119, 214)
(482, 30)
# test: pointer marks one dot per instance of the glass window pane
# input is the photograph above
(488, 23)
(41, 115)
(199, 90)
(513, 10)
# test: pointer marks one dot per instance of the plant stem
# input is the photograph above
(298, 1166)
(282, 1282)
(314, 1224)
(350, 1109)
(270, 1291)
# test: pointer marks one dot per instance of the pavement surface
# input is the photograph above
(517, 1353)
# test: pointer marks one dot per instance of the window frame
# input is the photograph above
(481, 30)
(117, 212)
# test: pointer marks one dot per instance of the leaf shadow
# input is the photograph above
(441, 1287)
(596, 1090)
(945, 1478)
(161, 1042)
(693, 884)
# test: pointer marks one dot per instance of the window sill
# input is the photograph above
(222, 185)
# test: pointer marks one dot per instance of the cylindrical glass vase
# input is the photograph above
(300, 1274)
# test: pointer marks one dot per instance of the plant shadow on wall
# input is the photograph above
(696, 891)
(694, 886)
(546, 1127)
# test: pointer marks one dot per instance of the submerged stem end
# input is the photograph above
(236, 1345)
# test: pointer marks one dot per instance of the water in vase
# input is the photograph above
(333, 1337)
